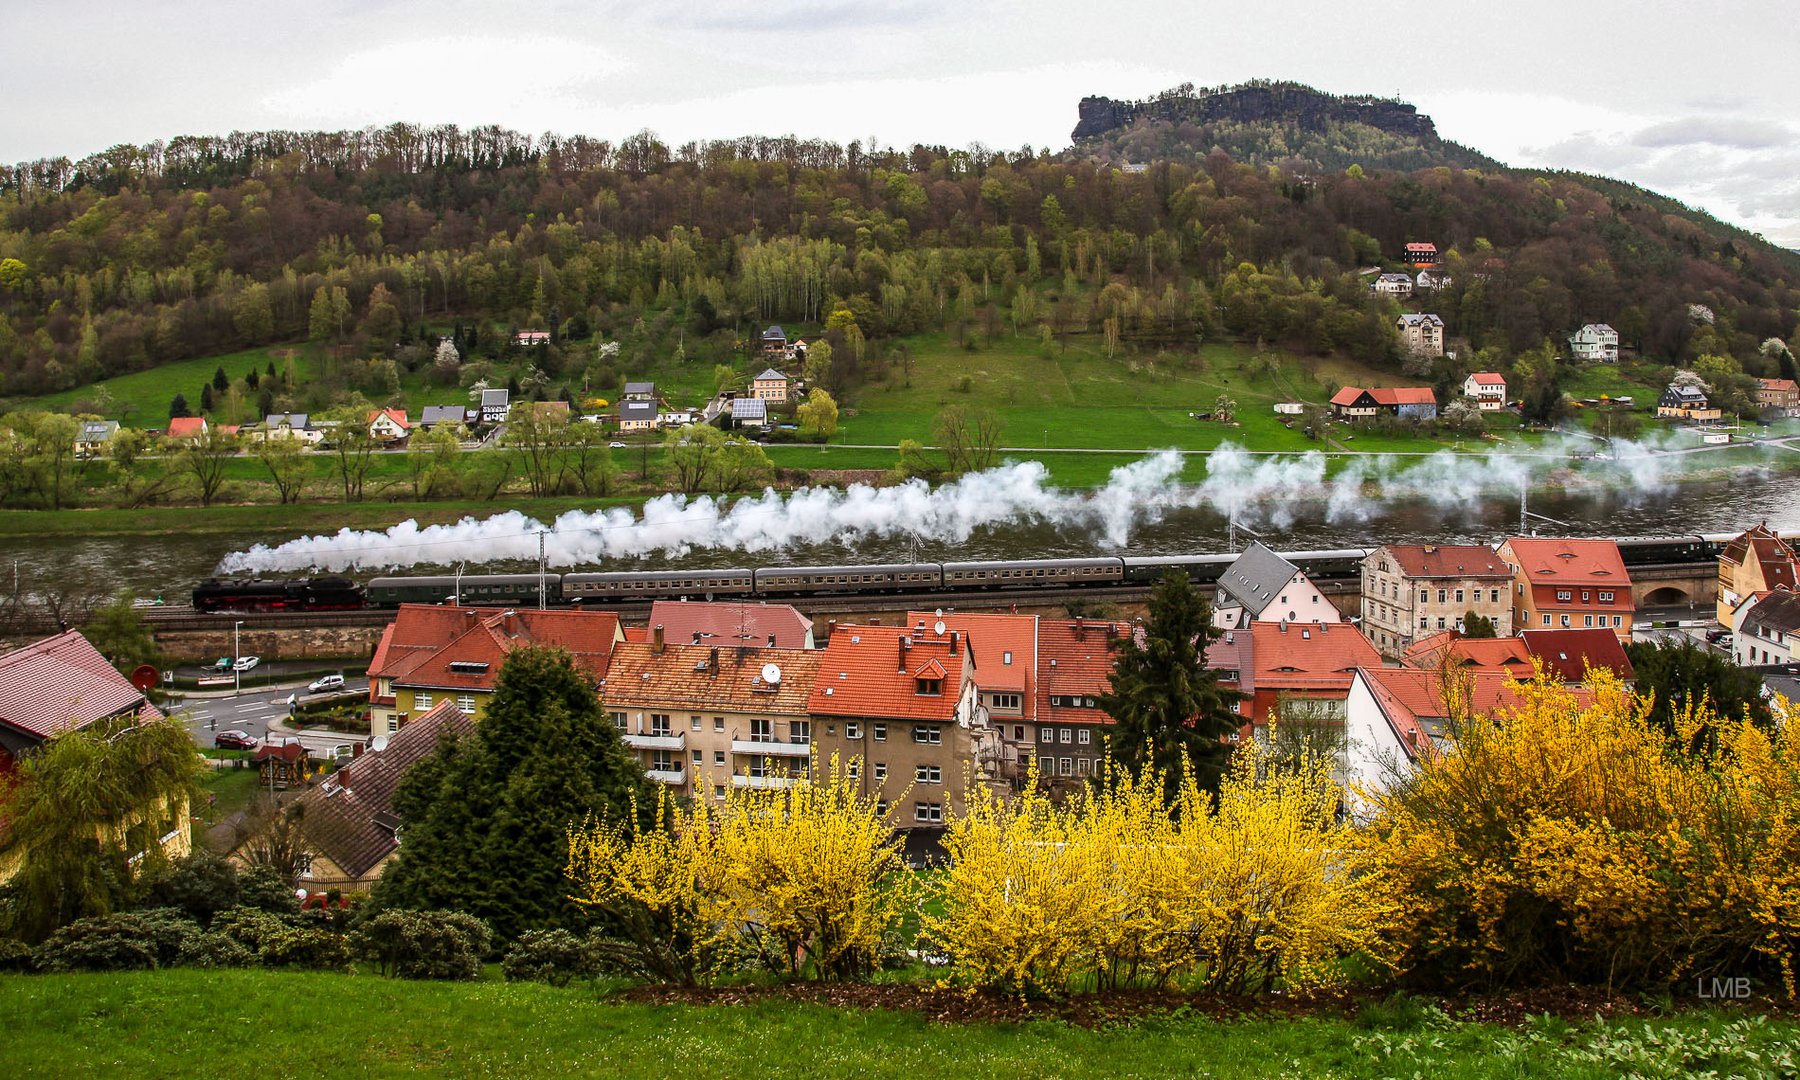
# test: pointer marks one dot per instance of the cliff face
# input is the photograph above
(1307, 108)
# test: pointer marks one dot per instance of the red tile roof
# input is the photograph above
(1290, 653)
(865, 672)
(1417, 246)
(683, 678)
(187, 427)
(1567, 654)
(1778, 385)
(1075, 660)
(1565, 562)
(1448, 560)
(1387, 395)
(62, 683)
(731, 623)
(992, 640)
(1412, 700)
(1497, 654)
(1767, 548)
(398, 416)
(464, 648)
(1488, 378)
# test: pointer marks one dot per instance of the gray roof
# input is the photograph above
(1416, 319)
(770, 373)
(293, 420)
(775, 332)
(491, 398)
(749, 409)
(1780, 610)
(1686, 393)
(442, 414)
(97, 430)
(637, 410)
(1254, 579)
(640, 389)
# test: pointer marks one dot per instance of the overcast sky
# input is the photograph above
(1697, 99)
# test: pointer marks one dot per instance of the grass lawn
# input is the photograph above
(181, 1023)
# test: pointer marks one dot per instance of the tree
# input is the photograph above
(819, 416)
(220, 381)
(85, 803)
(487, 816)
(537, 438)
(914, 462)
(1681, 676)
(1224, 409)
(1170, 710)
(328, 315)
(703, 458)
(1478, 626)
(353, 446)
(381, 323)
(969, 437)
(446, 362)
(817, 367)
(117, 630)
(46, 452)
(205, 457)
(431, 459)
(178, 407)
(252, 314)
(287, 462)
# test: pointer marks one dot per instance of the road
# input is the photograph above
(251, 712)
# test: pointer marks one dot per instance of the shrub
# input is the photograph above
(207, 950)
(549, 956)
(200, 884)
(248, 926)
(263, 888)
(304, 947)
(15, 956)
(423, 944)
(1576, 840)
(124, 942)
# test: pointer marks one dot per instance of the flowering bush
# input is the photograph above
(1263, 890)
(1579, 841)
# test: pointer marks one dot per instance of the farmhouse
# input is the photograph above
(1355, 402)
(389, 425)
(1487, 388)
(771, 386)
(1421, 254)
(1781, 394)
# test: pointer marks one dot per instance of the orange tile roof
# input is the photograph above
(186, 427)
(1387, 395)
(683, 677)
(464, 648)
(1308, 654)
(993, 638)
(1411, 697)
(731, 623)
(866, 672)
(1564, 562)
(1778, 385)
(398, 416)
(1075, 660)
(1488, 378)
(1499, 654)
(1448, 560)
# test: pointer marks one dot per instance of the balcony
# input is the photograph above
(655, 742)
(779, 749)
(763, 782)
(671, 777)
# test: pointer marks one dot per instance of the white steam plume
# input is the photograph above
(1271, 489)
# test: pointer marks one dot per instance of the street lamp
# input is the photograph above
(237, 673)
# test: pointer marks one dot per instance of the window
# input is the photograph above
(718, 757)
(1047, 734)
(881, 733)
(881, 770)
(1565, 621)
(1006, 657)
(882, 807)
(1616, 620)
(1459, 596)
(853, 730)
(928, 774)
(1440, 622)
(799, 731)
(694, 723)
(1441, 595)
(759, 765)
(699, 758)
(1546, 618)
(929, 687)
(928, 811)
(762, 730)
(1564, 594)
(662, 761)
(1606, 598)
(718, 723)
(423, 702)
(1584, 596)
(1066, 736)
(1495, 598)
(659, 725)
(1588, 620)
(1424, 623)
(1235, 706)
(930, 734)
(854, 769)
(1065, 766)
(1006, 701)
(1081, 766)
(1084, 736)
(718, 791)
(1018, 733)
(1424, 596)
(466, 702)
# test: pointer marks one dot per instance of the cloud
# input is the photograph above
(1714, 131)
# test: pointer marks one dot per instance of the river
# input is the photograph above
(169, 566)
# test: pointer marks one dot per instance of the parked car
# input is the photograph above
(245, 663)
(1716, 636)
(324, 683)
(233, 739)
(616, 445)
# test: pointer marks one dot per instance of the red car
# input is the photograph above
(233, 739)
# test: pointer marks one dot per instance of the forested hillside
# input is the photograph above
(197, 247)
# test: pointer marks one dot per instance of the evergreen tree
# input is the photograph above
(1169, 706)
(178, 407)
(206, 397)
(221, 381)
(486, 817)
(1478, 626)
(1680, 675)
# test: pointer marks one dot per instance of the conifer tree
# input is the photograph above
(1170, 710)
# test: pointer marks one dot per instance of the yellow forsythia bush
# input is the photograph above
(1577, 841)
(1115, 889)
(806, 879)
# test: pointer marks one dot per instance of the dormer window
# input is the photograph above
(928, 687)
(468, 667)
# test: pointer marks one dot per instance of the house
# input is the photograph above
(1421, 254)
(1449, 650)
(290, 426)
(430, 654)
(1431, 280)
(92, 437)
(775, 343)
(1259, 584)
(1355, 402)
(495, 404)
(349, 820)
(1596, 342)
(1487, 389)
(637, 414)
(1559, 584)
(443, 416)
(1280, 663)
(1411, 590)
(389, 425)
(1005, 648)
(1074, 669)
(187, 427)
(705, 717)
(280, 766)
(531, 339)
(738, 625)
(1684, 401)
(62, 684)
(770, 386)
(1754, 562)
(1568, 655)
(1768, 630)
(749, 412)
(1783, 394)
(1393, 285)
(906, 707)
(1421, 334)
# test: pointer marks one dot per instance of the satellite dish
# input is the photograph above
(938, 628)
(771, 673)
(939, 613)
(378, 743)
(144, 676)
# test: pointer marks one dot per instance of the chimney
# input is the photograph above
(905, 644)
(1080, 628)
(696, 637)
(830, 629)
(955, 636)
(712, 661)
(656, 640)
(771, 641)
